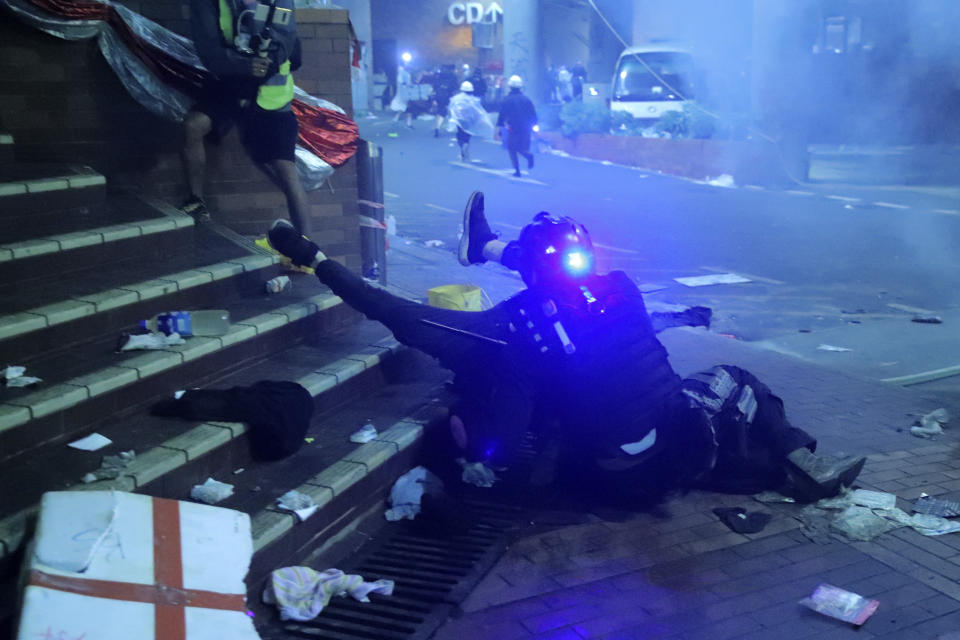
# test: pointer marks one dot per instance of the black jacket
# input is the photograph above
(517, 112)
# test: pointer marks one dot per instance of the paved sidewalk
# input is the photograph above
(680, 573)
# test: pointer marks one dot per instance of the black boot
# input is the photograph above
(812, 477)
(476, 232)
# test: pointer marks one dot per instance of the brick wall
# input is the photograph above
(63, 103)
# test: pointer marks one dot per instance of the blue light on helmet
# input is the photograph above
(577, 262)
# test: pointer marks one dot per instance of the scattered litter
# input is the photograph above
(848, 206)
(366, 433)
(300, 503)
(301, 593)
(724, 180)
(309, 440)
(237, 472)
(408, 490)
(434, 243)
(148, 341)
(830, 347)
(841, 604)
(278, 284)
(861, 523)
(13, 377)
(816, 524)
(392, 134)
(716, 278)
(740, 521)
(928, 505)
(930, 424)
(872, 499)
(211, 491)
(927, 319)
(772, 497)
(110, 467)
(92, 442)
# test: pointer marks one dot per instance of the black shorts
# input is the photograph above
(266, 135)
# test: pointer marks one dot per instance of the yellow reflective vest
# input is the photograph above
(276, 92)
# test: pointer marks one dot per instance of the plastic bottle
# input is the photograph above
(208, 322)
(278, 284)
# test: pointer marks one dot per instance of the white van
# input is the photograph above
(644, 95)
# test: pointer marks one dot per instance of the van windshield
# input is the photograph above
(634, 82)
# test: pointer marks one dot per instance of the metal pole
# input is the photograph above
(372, 226)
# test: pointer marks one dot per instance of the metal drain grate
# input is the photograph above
(432, 572)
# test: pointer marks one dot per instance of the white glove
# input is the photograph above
(477, 473)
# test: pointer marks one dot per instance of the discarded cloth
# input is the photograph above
(407, 492)
(301, 593)
(278, 413)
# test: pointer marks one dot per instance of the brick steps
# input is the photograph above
(344, 479)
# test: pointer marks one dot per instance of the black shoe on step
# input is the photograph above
(288, 241)
(476, 232)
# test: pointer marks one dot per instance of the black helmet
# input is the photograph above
(555, 250)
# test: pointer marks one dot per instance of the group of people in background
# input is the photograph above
(565, 84)
(459, 101)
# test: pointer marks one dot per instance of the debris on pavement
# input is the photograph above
(772, 497)
(278, 284)
(407, 492)
(830, 347)
(301, 593)
(723, 180)
(928, 505)
(865, 515)
(433, 243)
(110, 467)
(300, 503)
(92, 442)
(741, 521)
(211, 491)
(364, 434)
(840, 604)
(927, 319)
(931, 424)
(148, 341)
(715, 278)
(13, 377)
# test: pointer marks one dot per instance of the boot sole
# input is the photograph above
(463, 249)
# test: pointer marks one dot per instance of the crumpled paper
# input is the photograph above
(930, 424)
(300, 503)
(301, 593)
(865, 514)
(110, 467)
(13, 377)
(211, 491)
(149, 341)
(407, 492)
(364, 434)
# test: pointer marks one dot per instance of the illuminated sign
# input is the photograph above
(470, 12)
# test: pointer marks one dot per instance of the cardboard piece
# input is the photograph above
(116, 565)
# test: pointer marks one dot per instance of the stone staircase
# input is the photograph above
(80, 265)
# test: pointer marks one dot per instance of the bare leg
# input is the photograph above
(196, 126)
(284, 174)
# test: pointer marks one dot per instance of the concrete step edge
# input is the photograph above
(18, 324)
(138, 366)
(78, 177)
(206, 437)
(57, 243)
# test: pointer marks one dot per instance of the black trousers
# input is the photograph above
(496, 399)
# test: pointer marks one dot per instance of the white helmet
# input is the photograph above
(466, 86)
(515, 82)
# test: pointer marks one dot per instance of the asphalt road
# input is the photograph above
(830, 263)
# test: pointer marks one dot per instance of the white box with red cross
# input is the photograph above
(110, 565)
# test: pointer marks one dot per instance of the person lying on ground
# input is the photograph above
(574, 358)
